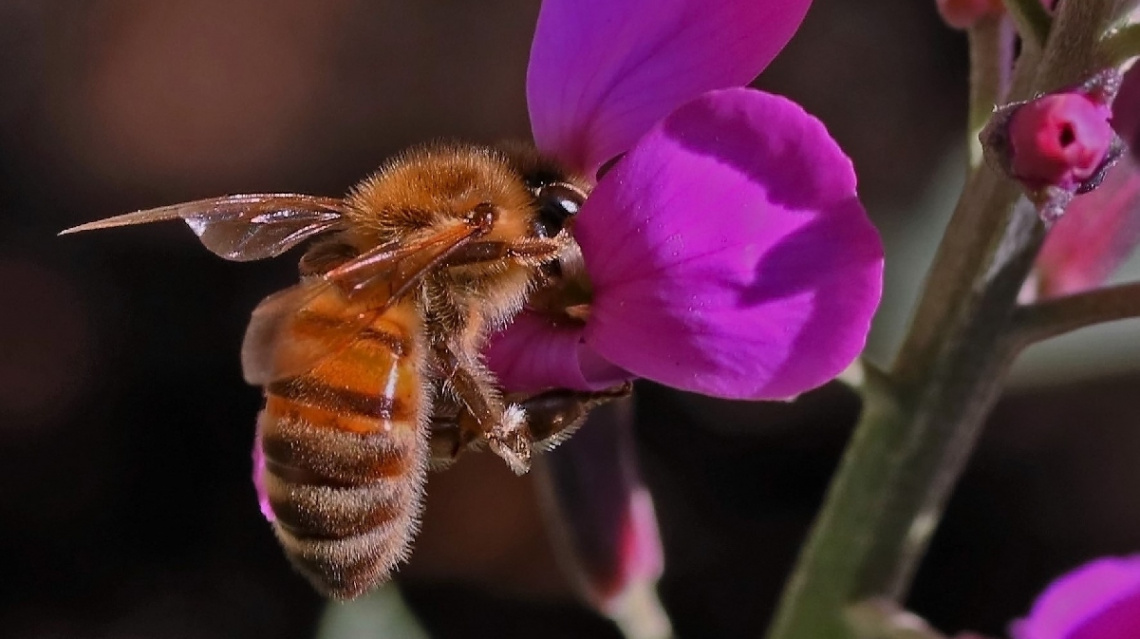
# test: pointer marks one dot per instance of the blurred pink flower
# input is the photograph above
(963, 14)
(726, 248)
(603, 516)
(1101, 228)
(259, 479)
(1100, 600)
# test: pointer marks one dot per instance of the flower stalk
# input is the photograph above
(1122, 44)
(991, 59)
(1033, 21)
(923, 416)
(1054, 317)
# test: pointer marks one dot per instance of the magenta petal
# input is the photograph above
(1100, 600)
(259, 478)
(535, 354)
(1098, 232)
(603, 71)
(1126, 110)
(729, 252)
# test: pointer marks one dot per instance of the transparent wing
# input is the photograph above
(293, 330)
(242, 227)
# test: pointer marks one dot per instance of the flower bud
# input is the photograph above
(1059, 144)
(1059, 140)
(963, 14)
(602, 519)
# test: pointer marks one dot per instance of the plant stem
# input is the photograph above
(1054, 317)
(922, 419)
(1122, 44)
(914, 437)
(879, 619)
(991, 61)
(1032, 20)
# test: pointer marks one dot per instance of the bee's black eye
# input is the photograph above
(556, 204)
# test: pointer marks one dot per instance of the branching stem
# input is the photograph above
(922, 418)
(1050, 318)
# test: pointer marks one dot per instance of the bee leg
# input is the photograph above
(482, 412)
(447, 442)
(554, 415)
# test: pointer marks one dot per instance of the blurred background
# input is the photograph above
(126, 509)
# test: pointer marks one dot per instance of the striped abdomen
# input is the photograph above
(346, 450)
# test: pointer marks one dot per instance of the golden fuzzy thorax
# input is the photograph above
(435, 186)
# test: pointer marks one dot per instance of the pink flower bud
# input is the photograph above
(602, 514)
(1060, 140)
(963, 14)
(1100, 230)
(1057, 145)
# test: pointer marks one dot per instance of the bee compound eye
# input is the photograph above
(556, 204)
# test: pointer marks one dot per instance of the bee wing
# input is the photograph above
(294, 330)
(242, 227)
(389, 270)
(272, 348)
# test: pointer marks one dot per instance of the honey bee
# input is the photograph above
(371, 364)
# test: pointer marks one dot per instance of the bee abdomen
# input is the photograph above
(346, 497)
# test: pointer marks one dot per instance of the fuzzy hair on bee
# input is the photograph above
(371, 364)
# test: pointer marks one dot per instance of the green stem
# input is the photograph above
(991, 61)
(1121, 45)
(1061, 315)
(1076, 51)
(884, 619)
(914, 437)
(1032, 20)
(922, 419)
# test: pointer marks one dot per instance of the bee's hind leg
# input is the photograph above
(482, 412)
(554, 415)
(513, 430)
(448, 440)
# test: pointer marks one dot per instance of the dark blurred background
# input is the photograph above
(126, 508)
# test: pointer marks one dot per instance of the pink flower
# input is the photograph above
(259, 479)
(1100, 600)
(963, 14)
(1099, 229)
(726, 248)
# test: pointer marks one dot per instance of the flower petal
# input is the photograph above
(1098, 232)
(259, 479)
(602, 72)
(1126, 107)
(729, 252)
(1100, 600)
(534, 353)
